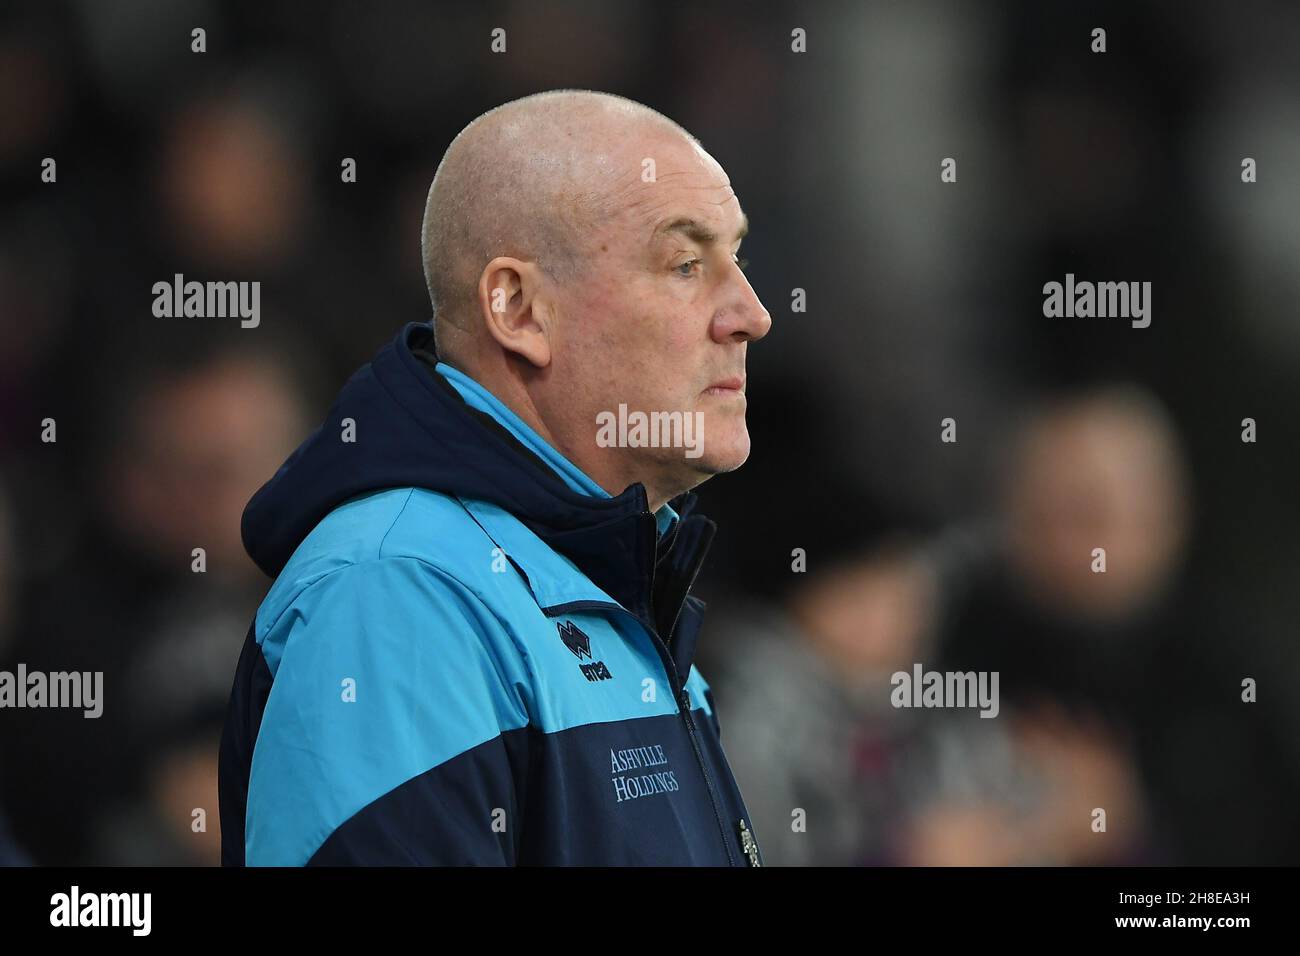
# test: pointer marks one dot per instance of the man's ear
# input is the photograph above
(513, 312)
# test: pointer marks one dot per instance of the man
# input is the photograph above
(478, 648)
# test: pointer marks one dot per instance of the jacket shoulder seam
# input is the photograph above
(293, 601)
(397, 517)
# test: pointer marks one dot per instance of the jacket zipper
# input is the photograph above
(685, 703)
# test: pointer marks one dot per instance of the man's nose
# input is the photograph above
(742, 318)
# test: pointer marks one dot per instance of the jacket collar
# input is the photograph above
(482, 400)
(559, 586)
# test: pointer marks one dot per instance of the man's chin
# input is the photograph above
(716, 461)
(699, 470)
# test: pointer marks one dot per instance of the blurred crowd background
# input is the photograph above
(1120, 691)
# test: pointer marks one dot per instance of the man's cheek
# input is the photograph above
(614, 319)
(685, 329)
(641, 337)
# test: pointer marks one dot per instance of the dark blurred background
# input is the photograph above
(1120, 691)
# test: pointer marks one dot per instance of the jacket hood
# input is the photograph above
(413, 429)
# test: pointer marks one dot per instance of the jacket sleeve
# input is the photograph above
(395, 731)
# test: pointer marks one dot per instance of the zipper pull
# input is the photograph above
(748, 844)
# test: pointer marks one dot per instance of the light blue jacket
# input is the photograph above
(471, 654)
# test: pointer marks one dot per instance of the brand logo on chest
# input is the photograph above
(580, 644)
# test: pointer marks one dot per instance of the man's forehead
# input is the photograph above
(691, 202)
(667, 186)
(714, 229)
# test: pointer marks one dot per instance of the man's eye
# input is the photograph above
(685, 268)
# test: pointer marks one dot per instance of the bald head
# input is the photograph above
(530, 179)
(582, 255)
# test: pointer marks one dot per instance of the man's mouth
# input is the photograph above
(735, 385)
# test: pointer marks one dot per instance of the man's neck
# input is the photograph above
(604, 466)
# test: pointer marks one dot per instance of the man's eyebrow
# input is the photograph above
(696, 231)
